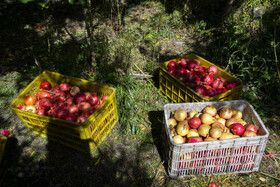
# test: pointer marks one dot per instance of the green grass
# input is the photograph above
(153, 32)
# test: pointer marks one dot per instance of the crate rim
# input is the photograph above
(220, 141)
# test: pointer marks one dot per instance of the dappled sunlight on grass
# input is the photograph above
(128, 42)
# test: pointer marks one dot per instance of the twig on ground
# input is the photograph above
(223, 181)
(71, 35)
(140, 70)
(158, 169)
(275, 53)
(142, 76)
(269, 176)
(147, 79)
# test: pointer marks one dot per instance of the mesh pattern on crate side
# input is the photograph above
(113, 121)
(239, 155)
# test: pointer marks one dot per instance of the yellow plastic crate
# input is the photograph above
(85, 136)
(178, 92)
(3, 140)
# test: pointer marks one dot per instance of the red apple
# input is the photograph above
(172, 71)
(237, 129)
(195, 122)
(195, 139)
(251, 127)
(184, 62)
(172, 64)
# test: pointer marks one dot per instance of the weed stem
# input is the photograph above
(275, 53)
(269, 176)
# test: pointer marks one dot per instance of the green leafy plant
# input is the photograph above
(239, 40)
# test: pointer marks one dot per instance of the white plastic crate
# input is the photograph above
(238, 155)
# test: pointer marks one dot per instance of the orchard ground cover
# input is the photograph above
(122, 47)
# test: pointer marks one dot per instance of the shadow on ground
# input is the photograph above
(156, 118)
(23, 49)
(111, 165)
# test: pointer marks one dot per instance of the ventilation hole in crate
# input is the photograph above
(182, 165)
(179, 100)
(114, 121)
(164, 81)
(250, 149)
(219, 169)
(186, 156)
(234, 167)
(25, 118)
(235, 160)
(95, 135)
(198, 170)
(163, 89)
(182, 172)
(185, 96)
(199, 154)
(188, 99)
(196, 163)
(210, 170)
(44, 123)
(238, 150)
(248, 158)
(168, 93)
(211, 153)
(169, 85)
(216, 169)
(175, 98)
(110, 107)
(40, 123)
(112, 115)
(103, 123)
(34, 121)
(209, 162)
(181, 93)
(161, 79)
(29, 124)
(182, 97)
(225, 152)
(175, 89)
(106, 130)
(223, 160)
(253, 149)
(248, 167)
(205, 170)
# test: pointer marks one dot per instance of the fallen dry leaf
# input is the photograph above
(270, 155)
